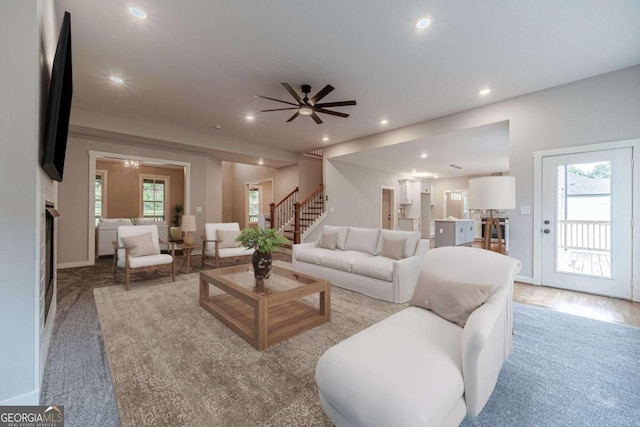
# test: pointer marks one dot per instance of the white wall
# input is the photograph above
(27, 36)
(354, 195)
(598, 109)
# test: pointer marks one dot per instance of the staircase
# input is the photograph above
(293, 218)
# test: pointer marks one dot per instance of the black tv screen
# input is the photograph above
(56, 126)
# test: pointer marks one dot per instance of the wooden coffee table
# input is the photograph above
(264, 320)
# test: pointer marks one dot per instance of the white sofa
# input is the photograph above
(357, 263)
(107, 228)
(417, 369)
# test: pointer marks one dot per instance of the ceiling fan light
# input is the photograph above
(305, 110)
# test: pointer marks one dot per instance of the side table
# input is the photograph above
(186, 250)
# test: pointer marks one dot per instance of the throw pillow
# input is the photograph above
(140, 245)
(451, 300)
(328, 240)
(342, 235)
(393, 248)
(228, 239)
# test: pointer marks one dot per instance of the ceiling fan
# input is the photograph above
(309, 106)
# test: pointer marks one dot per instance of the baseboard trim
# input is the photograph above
(75, 264)
(525, 279)
(29, 399)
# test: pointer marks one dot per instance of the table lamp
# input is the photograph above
(188, 225)
(492, 193)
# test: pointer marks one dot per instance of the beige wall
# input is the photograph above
(73, 193)
(286, 181)
(123, 187)
(227, 191)
(309, 175)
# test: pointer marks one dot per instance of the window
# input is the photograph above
(155, 197)
(100, 195)
(254, 203)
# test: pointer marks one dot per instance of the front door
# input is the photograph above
(587, 215)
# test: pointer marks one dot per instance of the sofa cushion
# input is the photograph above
(403, 371)
(233, 252)
(341, 260)
(328, 240)
(410, 245)
(362, 239)
(312, 255)
(227, 238)
(378, 267)
(393, 248)
(451, 300)
(342, 235)
(140, 245)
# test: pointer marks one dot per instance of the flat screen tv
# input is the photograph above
(54, 145)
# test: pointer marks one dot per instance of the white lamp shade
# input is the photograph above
(492, 192)
(188, 223)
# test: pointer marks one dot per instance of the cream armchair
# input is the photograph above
(215, 245)
(138, 249)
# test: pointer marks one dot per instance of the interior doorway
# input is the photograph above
(387, 203)
(455, 204)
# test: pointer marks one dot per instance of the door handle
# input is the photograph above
(546, 231)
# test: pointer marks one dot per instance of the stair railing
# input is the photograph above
(305, 213)
(282, 212)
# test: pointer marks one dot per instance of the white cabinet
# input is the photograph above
(454, 233)
(409, 224)
(405, 194)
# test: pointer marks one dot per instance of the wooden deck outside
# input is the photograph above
(592, 263)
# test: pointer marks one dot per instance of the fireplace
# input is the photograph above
(49, 250)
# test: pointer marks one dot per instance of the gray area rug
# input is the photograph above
(172, 363)
(566, 371)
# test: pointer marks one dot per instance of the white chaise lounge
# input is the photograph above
(416, 368)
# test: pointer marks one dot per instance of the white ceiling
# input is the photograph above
(198, 63)
(478, 151)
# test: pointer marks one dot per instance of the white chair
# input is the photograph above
(124, 259)
(415, 368)
(214, 246)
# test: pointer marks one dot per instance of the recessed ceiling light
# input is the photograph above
(484, 92)
(250, 117)
(413, 171)
(261, 162)
(384, 121)
(435, 176)
(423, 155)
(325, 138)
(217, 127)
(423, 23)
(116, 79)
(138, 13)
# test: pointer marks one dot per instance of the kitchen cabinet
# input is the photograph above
(409, 224)
(405, 194)
(454, 232)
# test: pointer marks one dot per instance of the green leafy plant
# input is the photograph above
(264, 240)
(134, 220)
(177, 214)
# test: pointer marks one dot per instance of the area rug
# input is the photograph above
(172, 363)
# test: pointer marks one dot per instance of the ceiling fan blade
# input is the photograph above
(293, 117)
(277, 100)
(279, 109)
(333, 113)
(318, 96)
(292, 92)
(335, 104)
(315, 118)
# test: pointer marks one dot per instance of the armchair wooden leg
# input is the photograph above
(126, 279)
(173, 270)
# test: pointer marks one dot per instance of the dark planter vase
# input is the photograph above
(261, 269)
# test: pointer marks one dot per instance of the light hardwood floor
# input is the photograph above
(578, 303)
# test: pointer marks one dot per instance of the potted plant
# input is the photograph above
(176, 232)
(263, 241)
